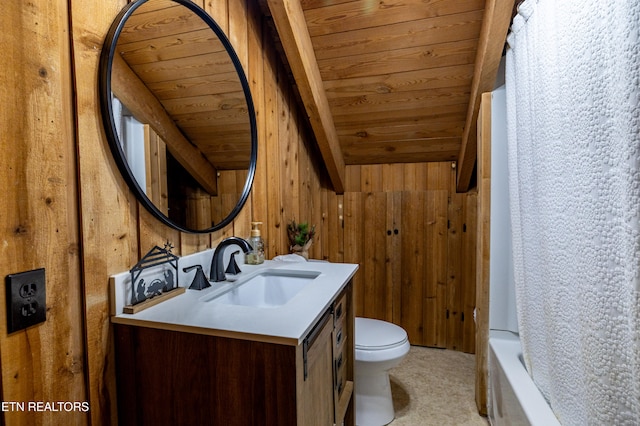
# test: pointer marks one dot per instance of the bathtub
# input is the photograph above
(513, 397)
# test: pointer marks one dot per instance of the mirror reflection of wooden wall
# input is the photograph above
(156, 159)
(203, 210)
(173, 71)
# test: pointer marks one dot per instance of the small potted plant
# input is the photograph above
(300, 237)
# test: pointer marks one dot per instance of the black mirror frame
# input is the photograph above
(106, 107)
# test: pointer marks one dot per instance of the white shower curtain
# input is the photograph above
(573, 101)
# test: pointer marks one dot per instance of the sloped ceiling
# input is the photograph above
(387, 81)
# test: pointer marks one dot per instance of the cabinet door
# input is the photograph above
(317, 388)
(423, 278)
(377, 256)
(400, 241)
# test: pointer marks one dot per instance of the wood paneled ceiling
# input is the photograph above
(387, 81)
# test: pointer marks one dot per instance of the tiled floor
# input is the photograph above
(435, 387)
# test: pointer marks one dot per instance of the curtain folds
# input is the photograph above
(573, 102)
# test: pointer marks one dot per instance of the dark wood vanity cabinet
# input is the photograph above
(169, 377)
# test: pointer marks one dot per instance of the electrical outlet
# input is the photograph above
(26, 299)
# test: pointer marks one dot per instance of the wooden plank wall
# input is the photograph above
(68, 209)
(483, 252)
(288, 184)
(414, 238)
(39, 216)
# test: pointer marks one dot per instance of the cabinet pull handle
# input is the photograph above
(339, 362)
(339, 311)
(338, 337)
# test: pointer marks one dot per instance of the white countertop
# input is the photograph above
(287, 324)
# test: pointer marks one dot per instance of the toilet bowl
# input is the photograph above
(380, 346)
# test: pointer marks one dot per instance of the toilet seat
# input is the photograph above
(377, 335)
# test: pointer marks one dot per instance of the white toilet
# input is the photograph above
(380, 346)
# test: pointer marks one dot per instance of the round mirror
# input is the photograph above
(178, 114)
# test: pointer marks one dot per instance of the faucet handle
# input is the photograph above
(233, 268)
(200, 280)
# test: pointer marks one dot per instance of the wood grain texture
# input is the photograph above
(423, 276)
(495, 23)
(228, 380)
(375, 257)
(430, 32)
(318, 383)
(116, 231)
(69, 209)
(436, 219)
(258, 80)
(186, 68)
(146, 107)
(109, 211)
(329, 17)
(40, 211)
(386, 67)
(353, 245)
(413, 257)
(455, 265)
(483, 252)
(393, 267)
(382, 65)
(236, 373)
(289, 19)
(275, 223)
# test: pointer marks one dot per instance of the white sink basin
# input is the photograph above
(269, 289)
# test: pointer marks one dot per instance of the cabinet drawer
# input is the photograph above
(340, 321)
(340, 371)
(339, 337)
(340, 310)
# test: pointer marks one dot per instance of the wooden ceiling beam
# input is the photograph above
(294, 36)
(133, 93)
(497, 16)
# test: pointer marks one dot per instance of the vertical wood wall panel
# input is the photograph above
(109, 211)
(435, 219)
(319, 209)
(238, 33)
(308, 201)
(468, 299)
(375, 241)
(413, 259)
(454, 270)
(258, 81)
(287, 164)
(353, 178)
(336, 231)
(483, 252)
(39, 209)
(353, 244)
(394, 245)
(272, 188)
